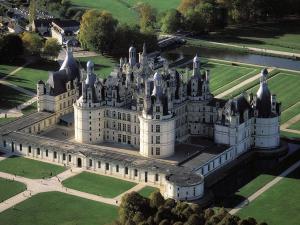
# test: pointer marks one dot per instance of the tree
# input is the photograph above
(147, 17)
(138, 218)
(186, 5)
(32, 11)
(156, 199)
(131, 204)
(52, 48)
(11, 46)
(195, 220)
(171, 21)
(32, 42)
(164, 222)
(97, 30)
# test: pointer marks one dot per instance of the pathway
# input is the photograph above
(262, 50)
(35, 186)
(17, 70)
(264, 188)
(240, 85)
(136, 188)
(17, 111)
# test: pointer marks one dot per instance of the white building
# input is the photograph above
(156, 127)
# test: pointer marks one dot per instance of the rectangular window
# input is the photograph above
(157, 128)
(55, 155)
(157, 151)
(126, 170)
(38, 151)
(135, 172)
(20, 147)
(156, 177)
(99, 164)
(64, 157)
(70, 158)
(29, 149)
(4, 144)
(106, 166)
(157, 109)
(117, 168)
(157, 139)
(46, 152)
(91, 162)
(128, 128)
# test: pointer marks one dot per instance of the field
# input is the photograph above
(124, 10)
(98, 185)
(29, 168)
(10, 98)
(59, 209)
(280, 36)
(11, 188)
(146, 191)
(29, 76)
(278, 205)
(103, 65)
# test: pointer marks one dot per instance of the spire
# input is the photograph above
(144, 49)
(196, 66)
(264, 76)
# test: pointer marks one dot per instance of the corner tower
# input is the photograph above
(157, 123)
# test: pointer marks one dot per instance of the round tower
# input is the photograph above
(132, 56)
(157, 124)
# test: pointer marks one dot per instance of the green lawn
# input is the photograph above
(295, 126)
(10, 98)
(6, 69)
(98, 185)
(254, 185)
(29, 76)
(10, 188)
(146, 191)
(290, 113)
(29, 168)
(30, 109)
(124, 10)
(278, 205)
(289, 135)
(103, 65)
(60, 209)
(279, 35)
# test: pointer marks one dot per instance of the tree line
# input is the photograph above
(155, 210)
(13, 46)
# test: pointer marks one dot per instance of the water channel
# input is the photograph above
(189, 52)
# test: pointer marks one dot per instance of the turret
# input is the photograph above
(263, 102)
(196, 66)
(132, 56)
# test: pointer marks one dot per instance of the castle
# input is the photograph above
(147, 125)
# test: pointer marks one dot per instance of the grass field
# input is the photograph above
(29, 168)
(10, 188)
(103, 65)
(254, 185)
(146, 191)
(278, 205)
(6, 69)
(10, 98)
(30, 109)
(29, 76)
(290, 113)
(124, 10)
(280, 36)
(295, 126)
(60, 209)
(98, 185)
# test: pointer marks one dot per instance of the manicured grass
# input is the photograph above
(29, 76)
(254, 185)
(278, 205)
(6, 69)
(10, 188)
(289, 135)
(103, 65)
(30, 109)
(124, 10)
(10, 98)
(29, 168)
(146, 191)
(98, 185)
(295, 126)
(60, 209)
(290, 113)
(279, 35)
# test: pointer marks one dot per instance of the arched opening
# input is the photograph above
(12, 147)
(79, 163)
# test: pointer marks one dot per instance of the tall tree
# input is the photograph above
(97, 30)
(186, 5)
(11, 46)
(171, 21)
(32, 42)
(52, 48)
(147, 17)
